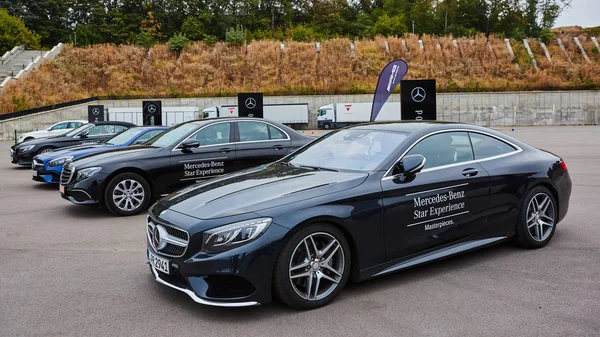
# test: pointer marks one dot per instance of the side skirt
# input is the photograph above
(437, 254)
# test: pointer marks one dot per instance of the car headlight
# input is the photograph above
(26, 148)
(87, 172)
(233, 235)
(60, 161)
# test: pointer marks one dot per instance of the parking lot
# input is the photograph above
(69, 270)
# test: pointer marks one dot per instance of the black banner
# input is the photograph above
(152, 112)
(417, 98)
(95, 113)
(250, 104)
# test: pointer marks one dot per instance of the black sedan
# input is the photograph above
(355, 204)
(127, 179)
(23, 153)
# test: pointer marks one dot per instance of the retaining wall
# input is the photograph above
(494, 109)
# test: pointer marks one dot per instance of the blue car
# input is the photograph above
(46, 167)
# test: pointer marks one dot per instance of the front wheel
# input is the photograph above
(537, 219)
(45, 150)
(127, 194)
(327, 126)
(313, 267)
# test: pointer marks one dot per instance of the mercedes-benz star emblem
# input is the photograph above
(250, 103)
(418, 94)
(151, 108)
(157, 233)
(95, 111)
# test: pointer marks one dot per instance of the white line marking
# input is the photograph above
(438, 189)
(444, 217)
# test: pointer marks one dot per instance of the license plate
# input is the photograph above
(61, 188)
(158, 263)
(34, 173)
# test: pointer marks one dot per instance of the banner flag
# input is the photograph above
(390, 77)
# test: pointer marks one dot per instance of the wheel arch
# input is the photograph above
(550, 188)
(129, 169)
(337, 223)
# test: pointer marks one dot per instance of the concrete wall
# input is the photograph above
(499, 109)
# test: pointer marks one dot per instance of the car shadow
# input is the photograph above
(352, 290)
(45, 187)
(87, 212)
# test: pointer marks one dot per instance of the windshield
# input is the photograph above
(322, 112)
(354, 149)
(79, 129)
(171, 136)
(123, 137)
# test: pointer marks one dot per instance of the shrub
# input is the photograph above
(177, 42)
(14, 33)
(234, 36)
(145, 39)
(193, 28)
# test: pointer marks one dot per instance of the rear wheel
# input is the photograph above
(327, 126)
(538, 218)
(127, 194)
(313, 267)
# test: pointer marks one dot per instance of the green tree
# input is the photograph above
(193, 28)
(13, 33)
(387, 26)
(177, 42)
(235, 36)
(145, 39)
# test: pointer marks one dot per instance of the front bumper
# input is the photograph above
(46, 174)
(235, 278)
(84, 192)
(21, 158)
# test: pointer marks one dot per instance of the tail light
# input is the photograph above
(563, 165)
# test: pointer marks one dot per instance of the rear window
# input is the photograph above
(486, 146)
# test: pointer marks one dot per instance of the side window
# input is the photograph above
(73, 125)
(214, 134)
(486, 146)
(275, 133)
(116, 128)
(444, 149)
(60, 126)
(99, 130)
(146, 136)
(253, 131)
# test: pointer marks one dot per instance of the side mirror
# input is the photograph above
(409, 166)
(189, 144)
(84, 134)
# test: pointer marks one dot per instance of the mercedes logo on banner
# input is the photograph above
(418, 94)
(151, 108)
(250, 103)
(95, 111)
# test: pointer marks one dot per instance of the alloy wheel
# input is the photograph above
(541, 216)
(128, 195)
(316, 266)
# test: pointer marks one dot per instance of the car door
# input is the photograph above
(259, 143)
(445, 202)
(214, 157)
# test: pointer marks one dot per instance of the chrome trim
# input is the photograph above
(436, 219)
(518, 150)
(437, 189)
(198, 299)
(203, 159)
(151, 222)
(82, 191)
(240, 142)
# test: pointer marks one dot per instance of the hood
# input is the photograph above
(42, 141)
(255, 190)
(118, 155)
(41, 133)
(75, 151)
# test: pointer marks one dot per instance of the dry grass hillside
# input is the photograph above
(202, 70)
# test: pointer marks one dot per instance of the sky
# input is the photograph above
(584, 13)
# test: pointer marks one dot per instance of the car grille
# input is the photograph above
(35, 163)
(66, 174)
(176, 239)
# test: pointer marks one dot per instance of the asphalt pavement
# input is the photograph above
(69, 270)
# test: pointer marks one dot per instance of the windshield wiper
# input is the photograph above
(317, 168)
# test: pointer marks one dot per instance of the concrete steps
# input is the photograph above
(19, 62)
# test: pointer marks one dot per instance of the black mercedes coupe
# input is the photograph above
(357, 203)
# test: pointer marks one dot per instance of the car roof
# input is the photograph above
(151, 127)
(413, 126)
(115, 123)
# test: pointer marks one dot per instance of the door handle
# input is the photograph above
(278, 147)
(470, 172)
(225, 150)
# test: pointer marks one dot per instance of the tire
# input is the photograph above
(334, 266)
(326, 126)
(540, 228)
(45, 150)
(135, 192)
